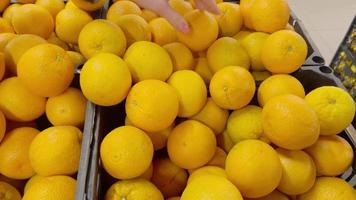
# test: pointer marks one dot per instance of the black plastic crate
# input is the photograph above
(109, 118)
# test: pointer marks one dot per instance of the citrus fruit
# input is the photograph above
(224, 141)
(126, 152)
(3, 126)
(24, 17)
(241, 35)
(243, 167)
(68, 108)
(4, 39)
(105, 79)
(53, 39)
(5, 26)
(148, 15)
(275, 195)
(148, 173)
(245, 6)
(50, 80)
(121, 8)
(168, 177)
(2, 65)
(135, 28)
(147, 60)
(18, 184)
(101, 36)
(230, 19)
(17, 46)
(32, 181)
(279, 84)
(227, 51)
(218, 158)
(77, 58)
(284, 52)
(334, 106)
(213, 116)
(192, 92)
(329, 188)
(70, 4)
(53, 187)
(299, 171)
(88, 5)
(203, 69)
(14, 160)
(245, 123)
(152, 105)
(3, 5)
(69, 23)
(289, 122)
(198, 22)
(211, 187)
(260, 75)
(9, 11)
(181, 56)
(269, 16)
(232, 87)
(56, 151)
(207, 170)
(253, 43)
(133, 189)
(191, 144)
(18, 103)
(53, 6)
(181, 6)
(162, 31)
(332, 155)
(9, 192)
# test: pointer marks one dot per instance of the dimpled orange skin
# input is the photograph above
(198, 22)
(48, 76)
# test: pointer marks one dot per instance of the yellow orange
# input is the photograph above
(3, 5)
(2, 65)
(5, 26)
(246, 12)
(230, 20)
(135, 28)
(148, 15)
(76, 58)
(8, 12)
(181, 6)
(181, 56)
(88, 5)
(148, 173)
(260, 75)
(32, 181)
(203, 69)
(121, 8)
(9, 192)
(218, 158)
(241, 35)
(5, 38)
(53, 39)
(53, 6)
(224, 141)
(162, 31)
(207, 170)
(253, 43)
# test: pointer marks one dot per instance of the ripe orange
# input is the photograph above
(230, 20)
(198, 22)
(3, 5)
(181, 6)
(24, 17)
(162, 31)
(148, 15)
(121, 8)
(4, 39)
(53, 39)
(224, 141)
(232, 87)
(203, 69)
(76, 58)
(9, 192)
(53, 6)
(8, 12)
(284, 52)
(218, 159)
(181, 56)
(206, 170)
(5, 26)
(246, 12)
(51, 80)
(88, 5)
(2, 65)
(253, 43)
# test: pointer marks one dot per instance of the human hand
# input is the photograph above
(162, 8)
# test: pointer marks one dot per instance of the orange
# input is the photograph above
(246, 12)
(253, 43)
(147, 60)
(133, 189)
(15, 161)
(9, 192)
(56, 151)
(5, 38)
(198, 22)
(48, 82)
(218, 158)
(332, 155)
(275, 195)
(227, 51)
(162, 31)
(148, 15)
(224, 141)
(2, 65)
(12, 101)
(269, 16)
(280, 84)
(289, 122)
(254, 167)
(76, 58)
(5, 26)
(299, 171)
(181, 56)
(101, 36)
(241, 35)
(232, 87)
(181, 6)
(53, 187)
(260, 75)
(230, 20)
(32, 181)
(126, 152)
(53, 39)
(53, 6)
(335, 108)
(3, 5)
(207, 170)
(329, 188)
(168, 177)
(213, 116)
(191, 144)
(9, 11)
(284, 52)
(211, 187)
(24, 17)
(69, 23)
(17, 46)
(3, 127)
(89, 6)
(105, 79)
(152, 105)
(68, 108)
(192, 92)
(203, 69)
(121, 8)
(135, 28)
(148, 173)
(18, 184)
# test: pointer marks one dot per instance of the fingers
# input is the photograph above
(208, 5)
